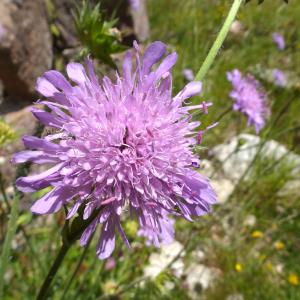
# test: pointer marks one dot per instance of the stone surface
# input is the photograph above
(25, 46)
(65, 23)
(232, 159)
(133, 22)
(23, 123)
(223, 187)
(159, 261)
(237, 155)
(200, 277)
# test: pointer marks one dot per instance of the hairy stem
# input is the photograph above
(70, 233)
(219, 40)
(84, 253)
(53, 270)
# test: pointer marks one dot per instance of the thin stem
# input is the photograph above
(223, 114)
(52, 272)
(70, 233)
(76, 268)
(219, 41)
(90, 269)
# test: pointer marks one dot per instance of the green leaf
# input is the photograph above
(98, 37)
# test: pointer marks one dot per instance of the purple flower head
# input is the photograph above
(122, 147)
(279, 78)
(188, 74)
(249, 98)
(278, 40)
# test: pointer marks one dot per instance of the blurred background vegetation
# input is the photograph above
(248, 247)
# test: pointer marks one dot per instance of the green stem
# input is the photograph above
(11, 229)
(219, 41)
(70, 233)
(84, 253)
(52, 272)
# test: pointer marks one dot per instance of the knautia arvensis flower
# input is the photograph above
(123, 148)
(249, 98)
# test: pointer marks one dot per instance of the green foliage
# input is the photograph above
(261, 1)
(7, 134)
(98, 36)
(267, 251)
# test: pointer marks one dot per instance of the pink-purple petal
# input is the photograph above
(44, 87)
(106, 244)
(38, 157)
(152, 55)
(52, 201)
(166, 65)
(34, 182)
(191, 89)
(76, 73)
(58, 80)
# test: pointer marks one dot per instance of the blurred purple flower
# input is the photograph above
(120, 146)
(110, 264)
(249, 98)
(279, 78)
(278, 40)
(188, 74)
(135, 4)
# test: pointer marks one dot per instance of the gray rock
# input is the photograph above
(134, 22)
(64, 21)
(25, 46)
(237, 155)
(236, 158)
(23, 123)
(200, 277)
(222, 186)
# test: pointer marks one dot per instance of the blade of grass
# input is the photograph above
(11, 229)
